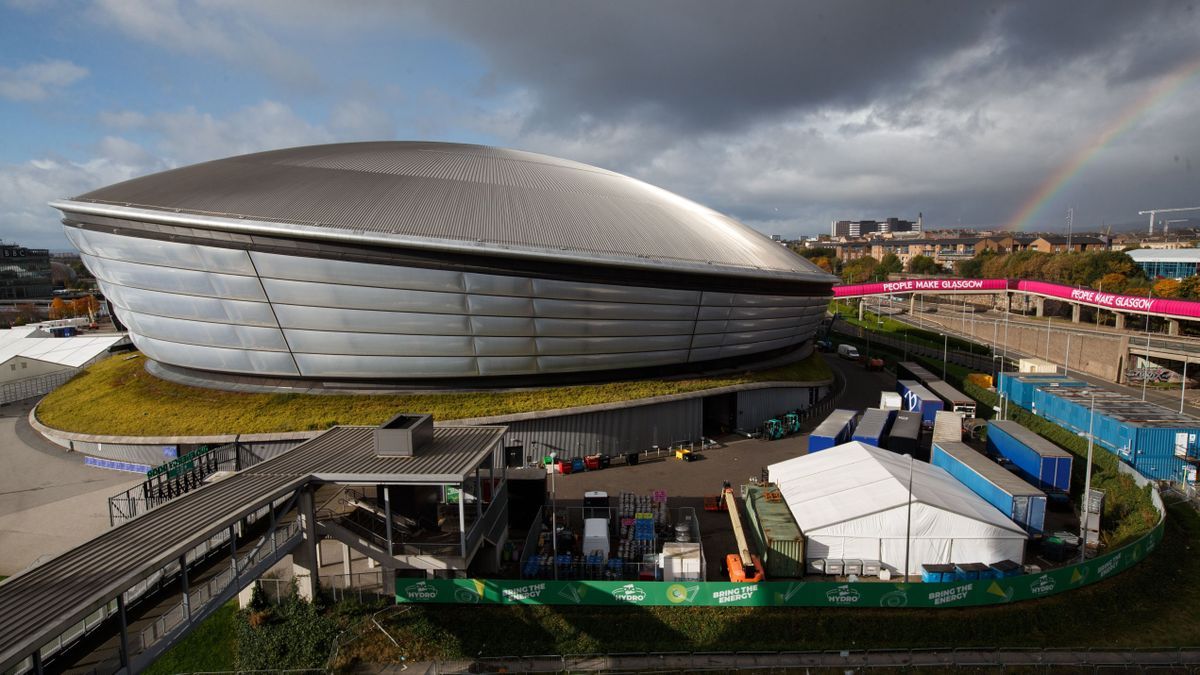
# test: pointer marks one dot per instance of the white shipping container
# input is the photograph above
(1036, 366)
(889, 400)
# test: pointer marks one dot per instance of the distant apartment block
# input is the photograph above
(861, 228)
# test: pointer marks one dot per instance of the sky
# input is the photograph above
(784, 115)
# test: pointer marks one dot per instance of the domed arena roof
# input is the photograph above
(454, 197)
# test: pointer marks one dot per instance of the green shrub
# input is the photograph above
(296, 634)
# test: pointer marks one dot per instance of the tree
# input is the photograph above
(57, 308)
(923, 264)
(1113, 283)
(1166, 288)
(1190, 288)
(973, 268)
(824, 263)
(820, 252)
(860, 270)
(890, 264)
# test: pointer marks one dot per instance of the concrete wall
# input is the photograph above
(1090, 353)
(759, 405)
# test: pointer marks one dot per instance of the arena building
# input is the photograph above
(434, 262)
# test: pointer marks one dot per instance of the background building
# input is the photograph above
(1167, 263)
(24, 273)
(372, 261)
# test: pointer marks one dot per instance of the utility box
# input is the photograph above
(403, 435)
(682, 561)
(595, 536)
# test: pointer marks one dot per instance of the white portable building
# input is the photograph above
(853, 502)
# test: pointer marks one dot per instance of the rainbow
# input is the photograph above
(1168, 85)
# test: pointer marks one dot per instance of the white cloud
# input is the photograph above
(190, 136)
(26, 189)
(39, 81)
(122, 119)
(361, 120)
(206, 30)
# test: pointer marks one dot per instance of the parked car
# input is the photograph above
(849, 352)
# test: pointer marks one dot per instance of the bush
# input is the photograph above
(297, 634)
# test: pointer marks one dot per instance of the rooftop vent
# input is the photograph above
(404, 435)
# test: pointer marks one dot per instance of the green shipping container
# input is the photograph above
(779, 540)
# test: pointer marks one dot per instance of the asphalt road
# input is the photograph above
(50, 501)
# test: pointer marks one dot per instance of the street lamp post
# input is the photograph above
(945, 352)
(554, 511)
(1183, 383)
(1087, 485)
(908, 524)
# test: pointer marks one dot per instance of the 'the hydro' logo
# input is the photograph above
(420, 591)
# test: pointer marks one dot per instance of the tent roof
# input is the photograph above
(72, 351)
(854, 480)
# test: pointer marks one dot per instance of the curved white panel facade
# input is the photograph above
(265, 313)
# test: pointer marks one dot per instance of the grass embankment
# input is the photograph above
(881, 323)
(117, 396)
(210, 648)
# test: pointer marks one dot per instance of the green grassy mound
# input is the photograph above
(118, 397)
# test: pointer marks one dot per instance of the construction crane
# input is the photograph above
(743, 565)
(1154, 212)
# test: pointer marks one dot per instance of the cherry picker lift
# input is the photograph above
(743, 566)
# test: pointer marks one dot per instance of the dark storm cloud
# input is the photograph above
(720, 64)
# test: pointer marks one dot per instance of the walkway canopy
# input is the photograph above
(852, 502)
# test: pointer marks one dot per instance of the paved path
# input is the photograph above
(50, 501)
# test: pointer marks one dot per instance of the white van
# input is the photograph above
(848, 352)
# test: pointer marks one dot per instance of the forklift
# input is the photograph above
(773, 429)
(792, 420)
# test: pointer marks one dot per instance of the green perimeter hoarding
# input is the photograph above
(777, 593)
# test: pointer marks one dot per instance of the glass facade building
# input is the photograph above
(1167, 263)
(24, 273)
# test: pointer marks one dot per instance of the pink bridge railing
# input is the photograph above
(1188, 309)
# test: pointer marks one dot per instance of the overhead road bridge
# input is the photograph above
(117, 602)
(1172, 310)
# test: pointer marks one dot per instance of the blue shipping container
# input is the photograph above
(873, 427)
(1152, 439)
(917, 398)
(1016, 499)
(1019, 387)
(835, 430)
(1041, 463)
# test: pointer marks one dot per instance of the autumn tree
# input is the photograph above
(1166, 288)
(859, 270)
(57, 308)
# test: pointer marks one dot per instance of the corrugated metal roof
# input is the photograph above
(989, 470)
(52, 596)
(467, 193)
(1031, 440)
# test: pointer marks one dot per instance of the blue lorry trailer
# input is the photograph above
(873, 427)
(835, 430)
(1040, 462)
(916, 397)
(1016, 499)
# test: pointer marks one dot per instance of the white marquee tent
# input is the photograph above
(852, 502)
